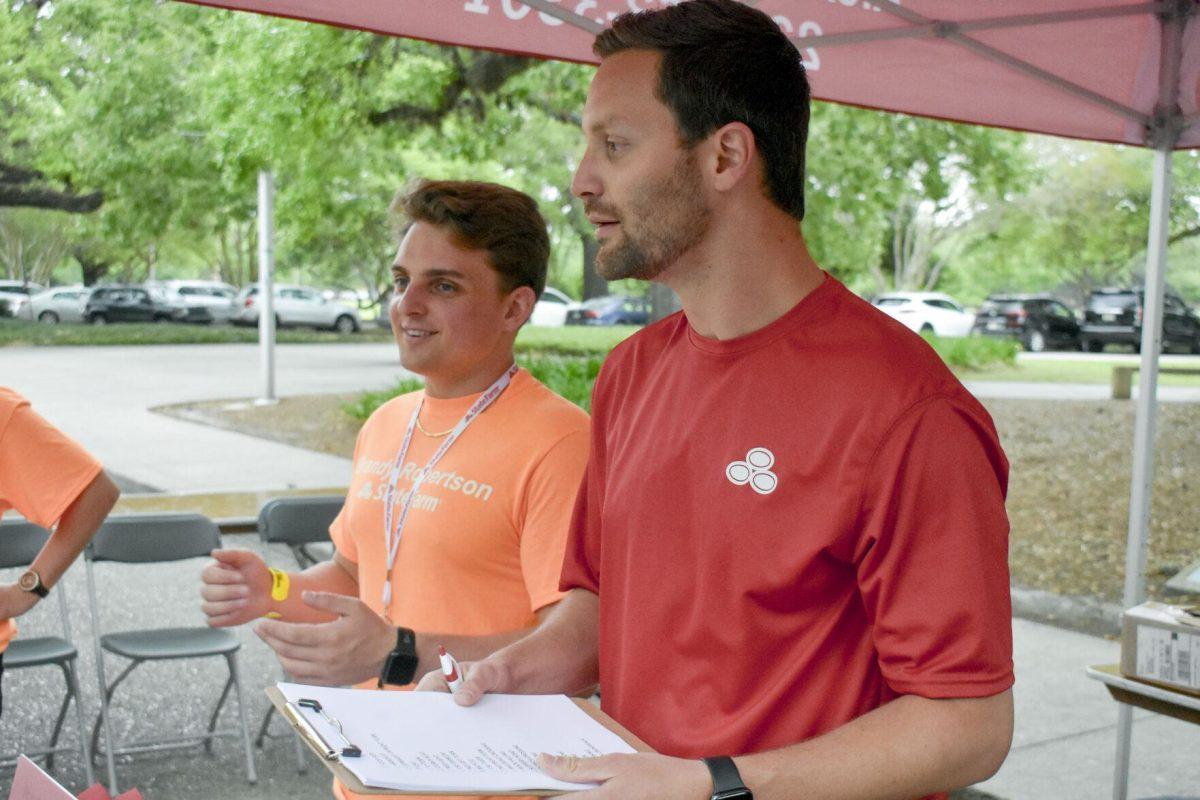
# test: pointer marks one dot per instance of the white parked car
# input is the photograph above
(927, 312)
(14, 297)
(213, 296)
(60, 304)
(551, 308)
(297, 305)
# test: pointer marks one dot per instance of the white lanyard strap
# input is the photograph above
(392, 534)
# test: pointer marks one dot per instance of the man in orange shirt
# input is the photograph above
(48, 479)
(471, 558)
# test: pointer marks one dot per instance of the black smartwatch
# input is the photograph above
(727, 781)
(401, 664)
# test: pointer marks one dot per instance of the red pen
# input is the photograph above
(450, 669)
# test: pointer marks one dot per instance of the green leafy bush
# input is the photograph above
(975, 352)
(569, 376)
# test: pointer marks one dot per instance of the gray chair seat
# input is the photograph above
(37, 651)
(167, 643)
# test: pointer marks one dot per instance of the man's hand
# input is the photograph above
(14, 601)
(350, 649)
(638, 776)
(479, 678)
(237, 588)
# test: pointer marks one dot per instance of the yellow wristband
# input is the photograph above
(280, 585)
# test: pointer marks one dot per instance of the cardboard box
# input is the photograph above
(1160, 644)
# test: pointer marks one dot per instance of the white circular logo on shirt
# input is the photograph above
(754, 470)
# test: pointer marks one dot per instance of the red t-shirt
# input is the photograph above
(789, 529)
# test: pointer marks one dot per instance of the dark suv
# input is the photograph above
(1114, 316)
(1038, 321)
(134, 304)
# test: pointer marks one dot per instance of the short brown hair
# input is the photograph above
(485, 216)
(722, 62)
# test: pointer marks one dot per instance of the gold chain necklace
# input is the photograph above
(431, 435)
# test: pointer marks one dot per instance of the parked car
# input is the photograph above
(297, 305)
(927, 312)
(14, 296)
(60, 304)
(1114, 316)
(552, 308)
(215, 297)
(1038, 321)
(613, 309)
(129, 304)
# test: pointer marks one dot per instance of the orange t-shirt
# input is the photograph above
(42, 471)
(482, 549)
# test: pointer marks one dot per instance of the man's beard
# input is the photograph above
(665, 220)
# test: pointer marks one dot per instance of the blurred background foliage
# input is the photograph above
(131, 135)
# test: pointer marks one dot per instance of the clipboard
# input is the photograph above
(328, 753)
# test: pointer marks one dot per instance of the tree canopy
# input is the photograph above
(133, 133)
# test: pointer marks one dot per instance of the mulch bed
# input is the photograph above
(1068, 493)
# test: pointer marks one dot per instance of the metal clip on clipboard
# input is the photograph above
(327, 751)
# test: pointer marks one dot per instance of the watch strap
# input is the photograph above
(401, 664)
(727, 781)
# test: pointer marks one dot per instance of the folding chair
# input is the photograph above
(151, 538)
(20, 543)
(302, 523)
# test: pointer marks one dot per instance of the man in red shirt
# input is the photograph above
(789, 552)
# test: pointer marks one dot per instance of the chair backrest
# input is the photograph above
(145, 538)
(298, 520)
(20, 542)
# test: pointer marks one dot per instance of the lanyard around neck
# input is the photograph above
(392, 533)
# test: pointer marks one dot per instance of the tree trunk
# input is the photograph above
(663, 302)
(593, 284)
(93, 269)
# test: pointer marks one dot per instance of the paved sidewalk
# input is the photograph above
(1020, 390)
(1066, 727)
(103, 395)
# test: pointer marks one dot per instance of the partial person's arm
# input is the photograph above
(561, 655)
(75, 528)
(237, 588)
(325, 634)
(909, 748)
(353, 647)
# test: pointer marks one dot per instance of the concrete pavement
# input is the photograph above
(1065, 742)
(102, 396)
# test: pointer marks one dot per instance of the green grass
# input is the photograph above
(1082, 371)
(568, 340)
(24, 334)
(581, 340)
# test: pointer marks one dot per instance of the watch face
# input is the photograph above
(401, 669)
(29, 581)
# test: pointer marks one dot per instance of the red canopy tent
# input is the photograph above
(1123, 71)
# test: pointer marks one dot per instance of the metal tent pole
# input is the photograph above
(1163, 135)
(1141, 485)
(266, 284)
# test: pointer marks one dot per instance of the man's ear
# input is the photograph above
(734, 149)
(518, 306)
